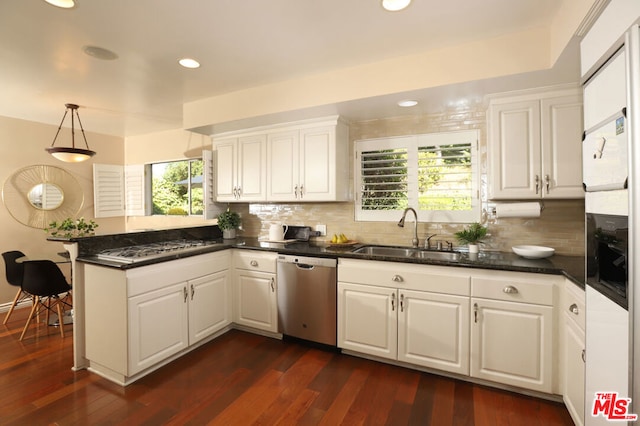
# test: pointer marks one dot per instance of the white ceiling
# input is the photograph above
(240, 44)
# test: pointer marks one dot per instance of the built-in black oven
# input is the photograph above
(606, 252)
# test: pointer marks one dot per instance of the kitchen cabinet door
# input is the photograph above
(367, 319)
(318, 164)
(241, 169)
(574, 374)
(514, 149)
(226, 169)
(158, 326)
(209, 305)
(284, 166)
(535, 146)
(512, 343)
(255, 300)
(433, 330)
(561, 126)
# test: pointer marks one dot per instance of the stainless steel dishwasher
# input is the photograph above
(307, 293)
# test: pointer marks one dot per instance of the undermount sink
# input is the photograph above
(408, 252)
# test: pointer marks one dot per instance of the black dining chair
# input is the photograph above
(14, 274)
(44, 280)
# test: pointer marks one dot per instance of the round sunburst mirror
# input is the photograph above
(38, 195)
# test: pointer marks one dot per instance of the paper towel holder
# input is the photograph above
(491, 209)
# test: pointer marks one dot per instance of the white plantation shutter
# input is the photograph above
(135, 190)
(436, 174)
(120, 190)
(211, 208)
(108, 190)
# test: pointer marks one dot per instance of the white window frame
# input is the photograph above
(412, 143)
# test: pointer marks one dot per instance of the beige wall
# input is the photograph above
(561, 224)
(22, 144)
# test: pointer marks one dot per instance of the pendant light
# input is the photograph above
(72, 154)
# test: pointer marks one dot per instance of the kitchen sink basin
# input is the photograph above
(385, 251)
(403, 252)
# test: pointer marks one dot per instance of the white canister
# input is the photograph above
(277, 231)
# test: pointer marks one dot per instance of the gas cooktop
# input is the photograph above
(144, 252)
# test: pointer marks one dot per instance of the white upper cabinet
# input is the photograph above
(303, 161)
(241, 168)
(535, 145)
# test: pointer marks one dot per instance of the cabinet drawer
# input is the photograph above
(574, 304)
(514, 288)
(255, 261)
(408, 276)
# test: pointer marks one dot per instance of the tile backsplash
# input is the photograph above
(560, 225)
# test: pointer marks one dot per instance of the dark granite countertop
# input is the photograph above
(570, 266)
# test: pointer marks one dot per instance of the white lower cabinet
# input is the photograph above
(255, 301)
(368, 319)
(425, 328)
(512, 333)
(138, 318)
(490, 325)
(433, 330)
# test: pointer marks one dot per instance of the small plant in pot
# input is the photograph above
(228, 222)
(472, 235)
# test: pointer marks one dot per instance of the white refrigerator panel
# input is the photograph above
(605, 156)
(607, 354)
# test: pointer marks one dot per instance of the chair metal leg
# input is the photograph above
(36, 302)
(13, 305)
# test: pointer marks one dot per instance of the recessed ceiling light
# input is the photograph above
(189, 63)
(65, 4)
(100, 53)
(395, 5)
(407, 103)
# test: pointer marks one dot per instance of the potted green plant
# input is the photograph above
(70, 228)
(471, 236)
(228, 222)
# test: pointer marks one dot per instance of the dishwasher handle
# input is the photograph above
(305, 266)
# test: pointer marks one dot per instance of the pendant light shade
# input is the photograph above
(71, 154)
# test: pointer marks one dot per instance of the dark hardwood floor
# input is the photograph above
(242, 379)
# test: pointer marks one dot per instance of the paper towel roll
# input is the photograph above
(518, 210)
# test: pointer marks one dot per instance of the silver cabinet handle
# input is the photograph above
(193, 290)
(393, 301)
(185, 293)
(547, 182)
(301, 191)
(537, 179)
(584, 355)
(273, 285)
(254, 263)
(295, 191)
(397, 279)
(239, 192)
(401, 302)
(510, 290)
(475, 313)
(574, 309)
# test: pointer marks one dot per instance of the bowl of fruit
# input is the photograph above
(339, 240)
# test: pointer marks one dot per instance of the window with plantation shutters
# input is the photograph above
(434, 173)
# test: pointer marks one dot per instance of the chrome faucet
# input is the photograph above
(414, 242)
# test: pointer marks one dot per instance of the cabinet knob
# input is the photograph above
(574, 309)
(254, 263)
(397, 279)
(510, 290)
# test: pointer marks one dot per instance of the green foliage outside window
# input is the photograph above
(177, 188)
